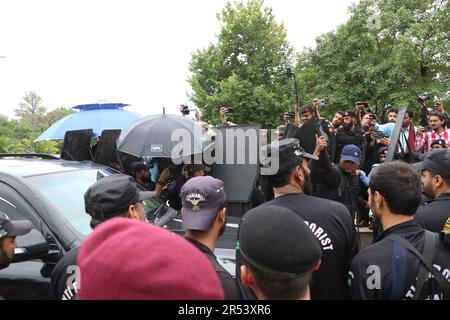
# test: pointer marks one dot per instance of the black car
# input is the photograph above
(49, 192)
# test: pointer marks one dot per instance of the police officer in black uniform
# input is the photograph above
(204, 219)
(110, 197)
(329, 221)
(435, 171)
(279, 253)
(391, 269)
(349, 133)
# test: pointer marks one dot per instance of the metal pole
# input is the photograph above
(296, 89)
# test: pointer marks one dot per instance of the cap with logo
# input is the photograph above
(306, 109)
(9, 228)
(382, 151)
(437, 161)
(275, 239)
(202, 198)
(440, 142)
(287, 152)
(351, 153)
(350, 113)
(113, 195)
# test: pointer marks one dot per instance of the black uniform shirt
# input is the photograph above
(387, 271)
(63, 277)
(345, 137)
(229, 284)
(433, 215)
(331, 224)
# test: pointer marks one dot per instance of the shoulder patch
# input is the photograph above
(447, 225)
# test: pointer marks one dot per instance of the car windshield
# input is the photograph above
(66, 192)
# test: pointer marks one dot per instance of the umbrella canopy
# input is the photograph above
(161, 136)
(97, 116)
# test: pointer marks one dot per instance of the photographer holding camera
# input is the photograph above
(438, 131)
(223, 116)
(439, 107)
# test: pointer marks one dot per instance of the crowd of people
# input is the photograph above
(299, 241)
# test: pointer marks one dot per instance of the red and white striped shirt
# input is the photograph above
(425, 139)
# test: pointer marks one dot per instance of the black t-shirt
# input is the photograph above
(63, 277)
(387, 271)
(332, 225)
(229, 284)
(433, 215)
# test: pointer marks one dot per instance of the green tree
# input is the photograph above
(31, 146)
(31, 111)
(246, 68)
(388, 51)
(4, 144)
(55, 115)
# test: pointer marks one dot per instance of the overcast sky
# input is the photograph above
(137, 52)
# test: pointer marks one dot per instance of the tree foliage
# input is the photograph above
(31, 111)
(246, 68)
(18, 135)
(55, 115)
(389, 51)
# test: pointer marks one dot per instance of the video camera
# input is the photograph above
(322, 103)
(184, 109)
(424, 98)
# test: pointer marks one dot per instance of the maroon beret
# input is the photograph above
(126, 259)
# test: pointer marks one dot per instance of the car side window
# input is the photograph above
(15, 206)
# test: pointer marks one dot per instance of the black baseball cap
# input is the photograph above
(202, 198)
(290, 153)
(349, 113)
(305, 109)
(436, 161)
(9, 228)
(382, 150)
(113, 195)
(275, 239)
(139, 165)
(440, 142)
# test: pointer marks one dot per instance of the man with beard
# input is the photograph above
(140, 173)
(439, 131)
(398, 265)
(329, 221)
(205, 219)
(337, 119)
(435, 172)
(9, 230)
(349, 133)
(392, 115)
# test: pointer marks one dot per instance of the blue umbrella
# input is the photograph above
(96, 116)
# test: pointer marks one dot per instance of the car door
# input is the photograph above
(28, 279)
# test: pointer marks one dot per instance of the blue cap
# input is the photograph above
(351, 153)
(201, 197)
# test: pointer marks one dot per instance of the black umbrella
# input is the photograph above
(161, 136)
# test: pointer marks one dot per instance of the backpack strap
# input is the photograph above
(426, 262)
(428, 252)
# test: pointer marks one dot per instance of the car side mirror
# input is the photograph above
(30, 246)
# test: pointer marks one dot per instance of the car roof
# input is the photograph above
(31, 167)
